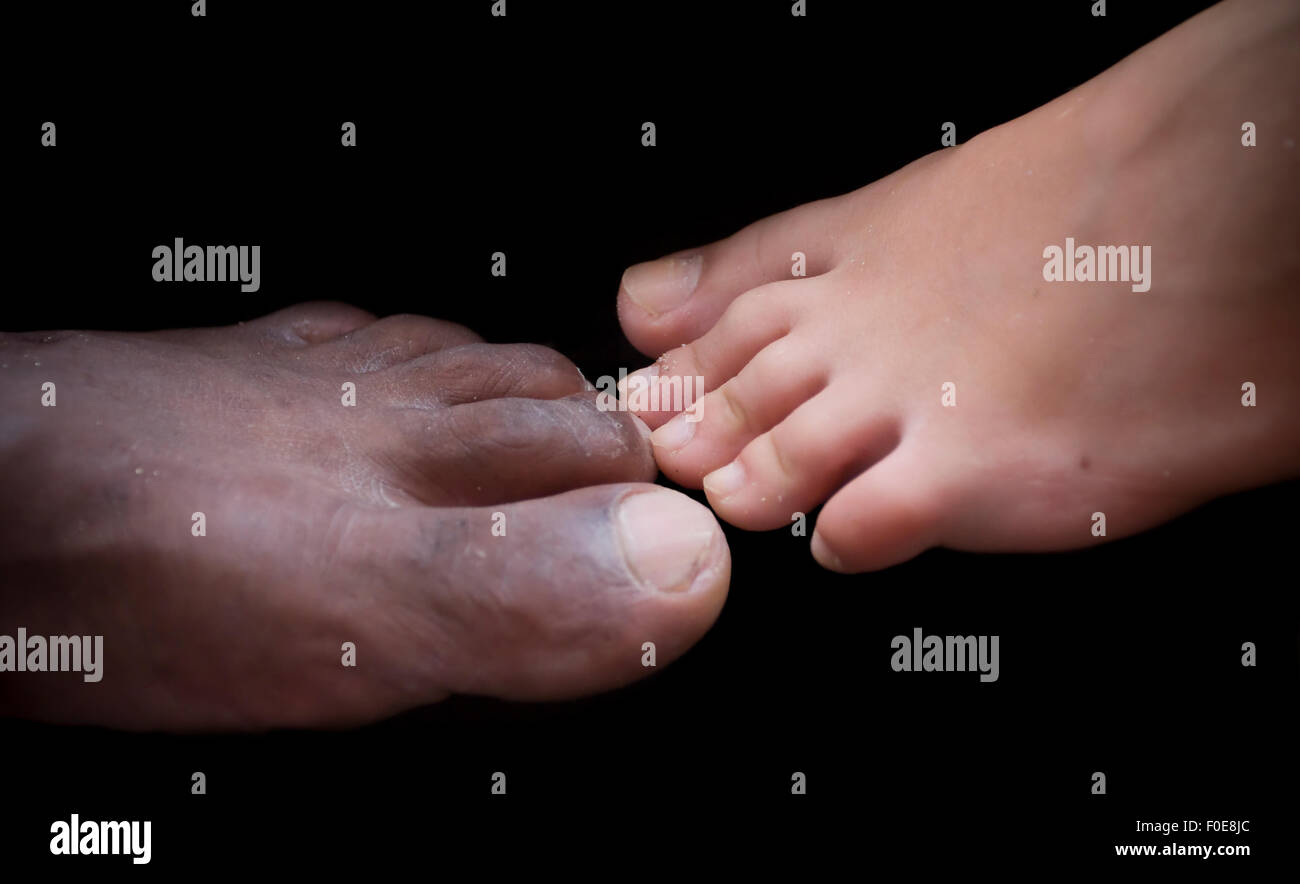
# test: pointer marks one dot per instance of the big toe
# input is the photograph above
(550, 598)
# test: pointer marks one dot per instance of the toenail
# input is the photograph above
(674, 434)
(667, 538)
(726, 481)
(663, 285)
(822, 553)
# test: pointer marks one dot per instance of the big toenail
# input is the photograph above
(726, 481)
(667, 538)
(674, 434)
(663, 285)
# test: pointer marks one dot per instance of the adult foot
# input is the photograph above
(930, 385)
(443, 524)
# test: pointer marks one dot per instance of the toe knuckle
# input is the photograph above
(784, 458)
(687, 360)
(737, 416)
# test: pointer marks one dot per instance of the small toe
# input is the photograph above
(391, 340)
(313, 322)
(749, 324)
(802, 460)
(475, 372)
(778, 380)
(499, 450)
(885, 516)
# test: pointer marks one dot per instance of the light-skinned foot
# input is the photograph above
(930, 385)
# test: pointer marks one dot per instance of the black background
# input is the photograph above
(522, 135)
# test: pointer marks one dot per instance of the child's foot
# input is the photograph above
(414, 524)
(1067, 399)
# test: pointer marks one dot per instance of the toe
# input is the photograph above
(391, 340)
(779, 379)
(500, 450)
(678, 298)
(311, 323)
(749, 324)
(885, 516)
(547, 599)
(474, 372)
(801, 461)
